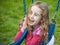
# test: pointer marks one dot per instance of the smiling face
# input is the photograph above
(34, 15)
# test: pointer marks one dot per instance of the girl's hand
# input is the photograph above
(24, 24)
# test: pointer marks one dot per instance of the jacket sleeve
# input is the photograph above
(19, 33)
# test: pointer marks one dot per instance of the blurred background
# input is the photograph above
(12, 11)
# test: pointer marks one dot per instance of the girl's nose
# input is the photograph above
(32, 17)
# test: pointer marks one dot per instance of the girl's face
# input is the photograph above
(34, 16)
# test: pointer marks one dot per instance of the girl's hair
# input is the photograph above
(44, 22)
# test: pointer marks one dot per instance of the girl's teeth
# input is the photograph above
(32, 20)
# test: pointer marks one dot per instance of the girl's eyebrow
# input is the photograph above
(37, 13)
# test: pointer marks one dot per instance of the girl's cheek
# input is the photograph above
(29, 16)
(36, 18)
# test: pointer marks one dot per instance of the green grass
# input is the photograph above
(12, 11)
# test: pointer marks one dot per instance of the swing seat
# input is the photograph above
(51, 31)
(51, 42)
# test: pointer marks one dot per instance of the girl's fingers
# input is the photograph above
(24, 23)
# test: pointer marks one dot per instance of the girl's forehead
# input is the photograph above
(36, 9)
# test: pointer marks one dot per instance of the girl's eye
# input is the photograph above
(36, 14)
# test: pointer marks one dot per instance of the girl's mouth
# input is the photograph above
(31, 20)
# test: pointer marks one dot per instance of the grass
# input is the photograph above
(12, 11)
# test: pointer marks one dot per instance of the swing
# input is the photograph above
(50, 31)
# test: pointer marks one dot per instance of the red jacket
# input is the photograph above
(33, 39)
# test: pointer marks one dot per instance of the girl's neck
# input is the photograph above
(34, 27)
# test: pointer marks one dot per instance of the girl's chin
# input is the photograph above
(31, 24)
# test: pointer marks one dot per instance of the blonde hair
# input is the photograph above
(44, 22)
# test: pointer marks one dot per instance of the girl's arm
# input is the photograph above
(19, 33)
(22, 26)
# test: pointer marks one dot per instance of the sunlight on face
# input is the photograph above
(34, 15)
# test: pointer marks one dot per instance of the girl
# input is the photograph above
(37, 22)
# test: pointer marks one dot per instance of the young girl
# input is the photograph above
(37, 22)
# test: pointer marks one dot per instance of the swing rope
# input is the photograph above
(24, 2)
(52, 25)
(57, 5)
(54, 17)
(32, 1)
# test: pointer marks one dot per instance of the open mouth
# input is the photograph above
(31, 20)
